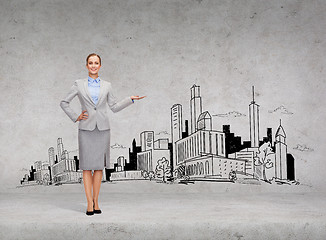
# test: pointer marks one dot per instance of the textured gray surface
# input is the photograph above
(149, 210)
(160, 49)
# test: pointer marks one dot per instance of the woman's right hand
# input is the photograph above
(82, 116)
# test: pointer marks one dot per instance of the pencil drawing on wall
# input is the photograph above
(193, 152)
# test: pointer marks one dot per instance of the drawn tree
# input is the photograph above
(180, 172)
(46, 179)
(144, 174)
(163, 169)
(151, 175)
(233, 176)
(175, 174)
(264, 158)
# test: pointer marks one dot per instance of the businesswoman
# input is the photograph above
(95, 96)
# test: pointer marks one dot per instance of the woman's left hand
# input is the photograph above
(137, 97)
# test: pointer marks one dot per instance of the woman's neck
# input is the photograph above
(94, 76)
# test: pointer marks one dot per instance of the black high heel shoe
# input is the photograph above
(90, 212)
(98, 211)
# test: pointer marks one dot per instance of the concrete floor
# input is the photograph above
(150, 210)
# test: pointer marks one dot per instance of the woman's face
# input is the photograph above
(93, 65)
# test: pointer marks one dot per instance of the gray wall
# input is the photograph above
(160, 49)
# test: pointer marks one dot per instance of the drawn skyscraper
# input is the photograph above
(269, 135)
(147, 140)
(51, 160)
(60, 148)
(280, 154)
(254, 121)
(132, 165)
(195, 106)
(176, 127)
(51, 156)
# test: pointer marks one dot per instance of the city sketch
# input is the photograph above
(192, 151)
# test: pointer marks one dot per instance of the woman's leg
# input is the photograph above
(88, 183)
(97, 179)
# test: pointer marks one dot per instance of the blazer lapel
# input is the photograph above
(101, 91)
(87, 91)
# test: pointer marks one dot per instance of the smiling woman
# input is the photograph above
(95, 96)
(93, 64)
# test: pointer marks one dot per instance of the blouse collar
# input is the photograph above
(92, 80)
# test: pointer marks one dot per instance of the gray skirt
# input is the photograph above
(94, 149)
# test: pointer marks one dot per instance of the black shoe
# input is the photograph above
(98, 211)
(89, 212)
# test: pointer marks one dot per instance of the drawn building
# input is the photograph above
(126, 175)
(162, 143)
(51, 155)
(120, 165)
(254, 121)
(204, 121)
(29, 179)
(283, 162)
(206, 153)
(244, 151)
(42, 173)
(200, 143)
(51, 161)
(146, 140)
(248, 155)
(148, 157)
(60, 148)
(290, 167)
(176, 127)
(248, 150)
(202, 153)
(120, 173)
(65, 170)
(132, 164)
(280, 154)
(232, 142)
(269, 136)
(186, 132)
(195, 106)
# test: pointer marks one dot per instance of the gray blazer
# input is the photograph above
(97, 114)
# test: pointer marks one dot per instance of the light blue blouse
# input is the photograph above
(94, 88)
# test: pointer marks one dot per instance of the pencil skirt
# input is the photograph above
(94, 149)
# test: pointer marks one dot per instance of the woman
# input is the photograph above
(95, 96)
